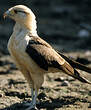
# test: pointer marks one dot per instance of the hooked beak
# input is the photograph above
(6, 14)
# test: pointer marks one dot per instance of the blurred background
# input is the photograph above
(65, 24)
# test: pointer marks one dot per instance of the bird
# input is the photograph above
(34, 56)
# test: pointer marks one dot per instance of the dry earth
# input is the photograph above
(59, 91)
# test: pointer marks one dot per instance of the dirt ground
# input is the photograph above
(59, 91)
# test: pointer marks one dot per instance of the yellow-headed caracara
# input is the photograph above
(34, 56)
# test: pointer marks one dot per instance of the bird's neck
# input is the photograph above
(31, 26)
(26, 29)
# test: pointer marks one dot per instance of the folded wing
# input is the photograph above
(45, 57)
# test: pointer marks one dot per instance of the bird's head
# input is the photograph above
(19, 13)
(22, 15)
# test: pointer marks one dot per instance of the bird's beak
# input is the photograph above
(7, 13)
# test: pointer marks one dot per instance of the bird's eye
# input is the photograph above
(15, 11)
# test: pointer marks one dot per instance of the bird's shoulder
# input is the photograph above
(36, 40)
(43, 54)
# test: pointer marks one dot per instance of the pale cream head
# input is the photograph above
(22, 15)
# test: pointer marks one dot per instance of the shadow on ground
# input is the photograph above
(49, 104)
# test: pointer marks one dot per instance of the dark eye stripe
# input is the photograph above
(16, 11)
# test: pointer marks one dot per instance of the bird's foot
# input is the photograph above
(30, 103)
(32, 107)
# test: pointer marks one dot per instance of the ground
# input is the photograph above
(59, 91)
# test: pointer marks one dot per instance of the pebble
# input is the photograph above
(60, 79)
(65, 83)
(70, 79)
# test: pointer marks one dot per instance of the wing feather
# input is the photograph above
(75, 64)
(45, 56)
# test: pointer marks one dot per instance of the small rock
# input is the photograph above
(70, 79)
(60, 79)
(65, 83)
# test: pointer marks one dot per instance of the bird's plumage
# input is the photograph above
(75, 64)
(43, 54)
(34, 56)
(46, 57)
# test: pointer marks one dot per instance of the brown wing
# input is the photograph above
(45, 56)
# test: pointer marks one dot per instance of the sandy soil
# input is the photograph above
(59, 91)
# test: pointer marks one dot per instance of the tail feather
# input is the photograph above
(80, 78)
(67, 68)
(75, 64)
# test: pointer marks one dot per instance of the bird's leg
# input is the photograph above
(32, 93)
(32, 96)
(35, 97)
(33, 103)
